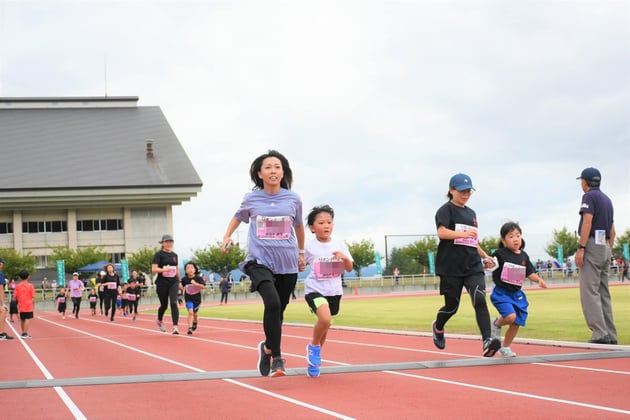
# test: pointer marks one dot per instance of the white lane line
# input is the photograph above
(290, 400)
(72, 407)
(616, 372)
(260, 390)
(515, 393)
(137, 350)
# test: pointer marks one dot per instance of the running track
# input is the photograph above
(94, 369)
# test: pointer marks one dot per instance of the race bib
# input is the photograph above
(112, 285)
(61, 300)
(92, 298)
(326, 268)
(192, 289)
(273, 227)
(131, 297)
(473, 242)
(513, 274)
(170, 273)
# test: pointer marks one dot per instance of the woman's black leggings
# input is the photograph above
(76, 302)
(110, 303)
(275, 296)
(168, 292)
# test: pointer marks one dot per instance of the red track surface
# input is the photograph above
(92, 347)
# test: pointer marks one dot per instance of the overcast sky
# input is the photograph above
(375, 103)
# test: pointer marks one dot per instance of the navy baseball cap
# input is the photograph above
(461, 182)
(591, 176)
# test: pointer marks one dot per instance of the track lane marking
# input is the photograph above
(514, 393)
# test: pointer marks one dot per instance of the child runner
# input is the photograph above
(513, 266)
(61, 298)
(193, 284)
(165, 263)
(111, 290)
(92, 298)
(25, 296)
(133, 297)
(328, 259)
(459, 263)
(123, 300)
(275, 250)
(76, 292)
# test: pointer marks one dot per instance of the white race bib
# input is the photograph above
(473, 242)
(278, 227)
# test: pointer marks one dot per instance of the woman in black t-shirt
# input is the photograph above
(111, 290)
(165, 264)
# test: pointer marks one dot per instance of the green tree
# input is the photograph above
(415, 256)
(142, 258)
(624, 238)
(568, 240)
(405, 264)
(489, 244)
(15, 262)
(362, 253)
(77, 258)
(211, 258)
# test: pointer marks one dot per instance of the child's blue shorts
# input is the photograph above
(508, 302)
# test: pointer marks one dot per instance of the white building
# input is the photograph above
(88, 172)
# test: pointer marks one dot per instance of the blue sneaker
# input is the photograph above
(313, 355)
(312, 371)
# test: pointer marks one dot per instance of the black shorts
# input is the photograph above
(315, 300)
(26, 315)
(258, 273)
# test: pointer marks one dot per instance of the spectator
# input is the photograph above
(45, 287)
(25, 297)
(225, 287)
(596, 231)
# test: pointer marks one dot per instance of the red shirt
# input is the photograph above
(24, 294)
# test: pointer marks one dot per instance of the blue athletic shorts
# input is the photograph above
(192, 305)
(508, 302)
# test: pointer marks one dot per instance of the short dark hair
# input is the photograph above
(310, 219)
(24, 274)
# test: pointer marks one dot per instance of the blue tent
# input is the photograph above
(97, 266)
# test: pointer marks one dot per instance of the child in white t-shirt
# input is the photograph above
(328, 259)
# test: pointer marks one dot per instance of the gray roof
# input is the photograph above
(69, 148)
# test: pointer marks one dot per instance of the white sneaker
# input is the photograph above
(507, 352)
(160, 325)
(495, 330)
(175, 331)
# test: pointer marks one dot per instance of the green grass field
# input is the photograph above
(554, 314)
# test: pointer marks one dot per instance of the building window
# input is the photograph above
(45, 226)
(100, 225)
(42, 261)
(6, 227)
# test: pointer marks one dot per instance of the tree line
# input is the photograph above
(410, 259)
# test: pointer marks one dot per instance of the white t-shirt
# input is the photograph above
(325, 274)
